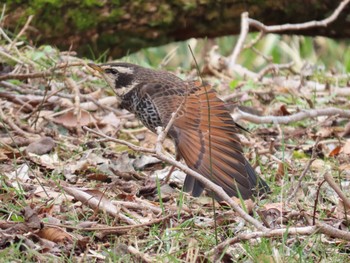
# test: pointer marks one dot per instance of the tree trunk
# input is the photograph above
(93, 27)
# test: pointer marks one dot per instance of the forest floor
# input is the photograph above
(70, 195)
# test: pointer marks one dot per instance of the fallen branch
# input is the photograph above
(142, 256)
(328, 177)
(25, 27)
(246, 22)
(158, 151)
(112, 229)
(41, 74)
(288, 27)
(217, 250)
(313, 113)
(306, 230)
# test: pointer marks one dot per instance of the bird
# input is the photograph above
(203, 131)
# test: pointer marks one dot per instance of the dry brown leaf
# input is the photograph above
(284, 110)
(55, 234)
(70, 120)
(21, 174)
(280, 173)
(4, 154)
(145, 160)
(41, 146)
(272, 212)
(335, 151)
(98, 177)
(50, 161)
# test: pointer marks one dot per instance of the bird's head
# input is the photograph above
(121, 77)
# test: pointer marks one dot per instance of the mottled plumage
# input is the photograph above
(203, 131)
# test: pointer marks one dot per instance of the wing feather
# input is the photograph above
(206, 123)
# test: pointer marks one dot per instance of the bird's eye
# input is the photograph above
(111, 71)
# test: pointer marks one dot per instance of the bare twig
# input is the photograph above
(308, 230)
(130, 145)
(301, 26)
(142, 256)
(255, 40)
(332, 231)
(14, 127)
(112, 229)
(24, 28)
(246, 22)
(292, 192)
(8, 56)
(316, 201)
(158, 150)
(273, 67)
(77, 109)
(328, 177)
(91, 104)
(241, 115)
(41, 74)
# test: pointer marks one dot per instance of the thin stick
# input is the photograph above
(116, 228)
(24, 28)
(316, 202)
(288, 27)
(306, 230)
(158, 150)
(292, 192)
(328, 177)
(41, 74)
(313, 113)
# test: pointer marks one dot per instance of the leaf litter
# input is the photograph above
(60, 183)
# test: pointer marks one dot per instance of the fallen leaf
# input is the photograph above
(41, 146)
(50, 161)
(335, 151)
(21, 173)
(145, 161)
(284, 110)
(55, 234)
(70, 120)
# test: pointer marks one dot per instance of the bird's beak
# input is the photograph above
(95, 67)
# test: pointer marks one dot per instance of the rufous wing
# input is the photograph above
(205, 137)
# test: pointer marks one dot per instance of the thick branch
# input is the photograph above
(207, 183)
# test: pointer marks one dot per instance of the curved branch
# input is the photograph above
(322, 23)
(158, 150)
(241, 115)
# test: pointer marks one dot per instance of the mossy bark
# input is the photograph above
(93, 27)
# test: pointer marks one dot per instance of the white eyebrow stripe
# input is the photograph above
(124, 70)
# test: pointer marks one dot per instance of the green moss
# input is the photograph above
(50, 4)
(92, 3)
(115, 14)
(81, 19)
